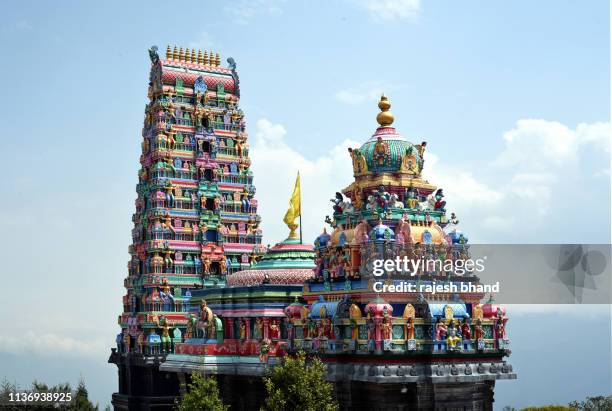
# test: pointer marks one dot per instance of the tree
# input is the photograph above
(549, 408)
(202, 395)
(598, 403)
(81, 401)
(297, 384)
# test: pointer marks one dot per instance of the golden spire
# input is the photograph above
(384, 118)
(175, 54)
(205, 58)
(168, 53)
(217, 60)
(200, 61)
(193, 56)
(181, 54)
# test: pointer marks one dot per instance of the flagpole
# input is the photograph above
(301, 242)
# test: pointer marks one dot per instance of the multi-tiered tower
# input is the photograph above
(196, 216)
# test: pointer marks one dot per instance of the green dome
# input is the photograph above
(397, 148)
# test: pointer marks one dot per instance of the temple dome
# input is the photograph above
(288, 262)
(397, 144)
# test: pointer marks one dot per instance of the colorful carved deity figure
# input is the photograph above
(441, 329)
(360, 165)
(243, 329)
(466, 332)
(166, 339)
(411, 197)
(191, 329)
(409, 314)
(354, 316)
(381, 151)
(171, 140)
(206, 264)
(141, 341)
(206, 318)
(327, 328)
(383, 198)
(126, 341)
(386, 328)
(440, 202)
(421, 149)
(311, 328)
(478, 330)
(258, 329)
(500, 324)
(169, 195)
(403, 234)
(361, 232)
(223, 265)
(452, 339)
(245, 200)
(409, 328)
(409, 162)
(274, 329)
(337, 201)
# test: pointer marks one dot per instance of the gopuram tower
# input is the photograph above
(196, 215)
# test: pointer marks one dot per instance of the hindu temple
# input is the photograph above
(204, 296)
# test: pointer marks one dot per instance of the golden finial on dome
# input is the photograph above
(384, 118)
(181, 55)
(205, 62)
(175, 54)
(168, 53)
(193, 56)
(200, 59)
(217, 60)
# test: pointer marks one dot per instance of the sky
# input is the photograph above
(513, 99)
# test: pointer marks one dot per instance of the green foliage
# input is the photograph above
(80, 400)
(202, 395)
(549, 408)
(599, 403)
(299, 385)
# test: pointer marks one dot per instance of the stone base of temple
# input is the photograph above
(142, 386)
(416, 396)
(248, 393)
(244, 393)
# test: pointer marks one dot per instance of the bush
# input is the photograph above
(296, 384)
(202, 395)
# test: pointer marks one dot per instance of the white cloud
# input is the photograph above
(275, 165)
(518, 190)
(540, 144)
(392, 9)
(244, 11)
(527, 181)
(49, 344)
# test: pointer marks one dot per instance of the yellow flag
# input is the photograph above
(295, 206)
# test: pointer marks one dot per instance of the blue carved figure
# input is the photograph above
(199, 86)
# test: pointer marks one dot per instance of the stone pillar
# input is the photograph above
(230, 328)
(266, 331)
(247, 323)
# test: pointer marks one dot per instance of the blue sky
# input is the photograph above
(513, 99)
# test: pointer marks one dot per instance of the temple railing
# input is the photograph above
(353, 336)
